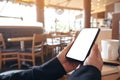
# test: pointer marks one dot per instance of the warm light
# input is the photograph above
(28, 1)
(46, 4)
(104, 5)
(98, 4)
(92, 6)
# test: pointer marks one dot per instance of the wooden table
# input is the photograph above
(63, 38)
(112, 76)
(111, 72)
(21, 40)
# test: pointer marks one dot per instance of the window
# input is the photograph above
(60, 22)
(15, 12)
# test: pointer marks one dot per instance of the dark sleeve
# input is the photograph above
(86, 73)
(50, 70)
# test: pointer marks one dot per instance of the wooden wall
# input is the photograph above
(115, 19)
(115, 25)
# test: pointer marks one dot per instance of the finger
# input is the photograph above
(99, 56)
(94, 51)
(97, 51)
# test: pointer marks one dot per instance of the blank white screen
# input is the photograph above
(82, 44)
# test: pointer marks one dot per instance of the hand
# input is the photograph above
(94, 58)
(68, 65)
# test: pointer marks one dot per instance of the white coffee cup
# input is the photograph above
(109, 49)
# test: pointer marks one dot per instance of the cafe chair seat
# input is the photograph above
(30, 50)
(10, 50)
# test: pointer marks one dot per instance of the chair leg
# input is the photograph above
(4, 61)
(46, 51)
(0, 65)
(53, 52)
(33, 60)
(0, 62)
(19, 63)
(42, 58)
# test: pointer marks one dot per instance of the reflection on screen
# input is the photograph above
(82, 44)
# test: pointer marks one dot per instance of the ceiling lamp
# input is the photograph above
(24, 2)
(28, 1)
(59, 11)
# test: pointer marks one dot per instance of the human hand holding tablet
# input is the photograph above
(83, 44)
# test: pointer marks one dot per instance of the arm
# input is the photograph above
(86, 73)
(57, 67)
(91, 69)
(51, 70)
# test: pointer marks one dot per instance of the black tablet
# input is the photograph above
(83, 44)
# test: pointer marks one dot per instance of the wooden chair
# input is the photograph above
(36, 50)
(66, 39)
(52, 43)
(55, 33)
(7, 54)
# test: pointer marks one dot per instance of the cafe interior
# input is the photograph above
(34, 31)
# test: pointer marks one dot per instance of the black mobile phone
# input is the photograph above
(83, 44)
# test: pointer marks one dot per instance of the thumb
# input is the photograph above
(94, 51)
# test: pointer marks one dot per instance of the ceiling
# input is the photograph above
(69, 4)
(96, 5)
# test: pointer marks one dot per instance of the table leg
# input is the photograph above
(22, 46)
(23, 49)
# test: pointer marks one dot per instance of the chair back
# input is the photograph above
(67, 37)
(38, 42)
(52, 39)
(66, 33)
(48, 36)
(52, 43)
(2, 42)
(55, 33)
